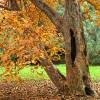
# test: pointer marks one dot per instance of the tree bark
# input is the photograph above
(78, 76)
(57, 78)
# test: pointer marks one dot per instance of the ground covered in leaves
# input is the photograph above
(37, 90)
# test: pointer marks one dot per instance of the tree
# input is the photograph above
(70, 25)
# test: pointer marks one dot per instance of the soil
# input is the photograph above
(37, 90)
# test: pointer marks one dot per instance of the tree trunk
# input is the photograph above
(78, 76)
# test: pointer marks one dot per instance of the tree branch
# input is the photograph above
(53, 15)
(55, 75)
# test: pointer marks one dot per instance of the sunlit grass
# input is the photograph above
(29, 73)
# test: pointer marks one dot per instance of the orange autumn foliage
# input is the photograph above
(25, 37)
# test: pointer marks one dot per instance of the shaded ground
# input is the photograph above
(37, 90)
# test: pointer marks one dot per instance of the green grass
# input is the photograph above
(28, 73)
(95, 72)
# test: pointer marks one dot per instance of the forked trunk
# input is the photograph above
(78, 78)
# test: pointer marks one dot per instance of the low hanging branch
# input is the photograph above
(56, 19)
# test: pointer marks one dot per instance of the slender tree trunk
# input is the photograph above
(57, 78)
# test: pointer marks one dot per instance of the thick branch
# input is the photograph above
(53, 15)
(57, 78)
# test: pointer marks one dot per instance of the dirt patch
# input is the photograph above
(37, 90)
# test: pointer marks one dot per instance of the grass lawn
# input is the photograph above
(29, 73)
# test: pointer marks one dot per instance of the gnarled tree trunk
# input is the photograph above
(78, 80)
(78, 76)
